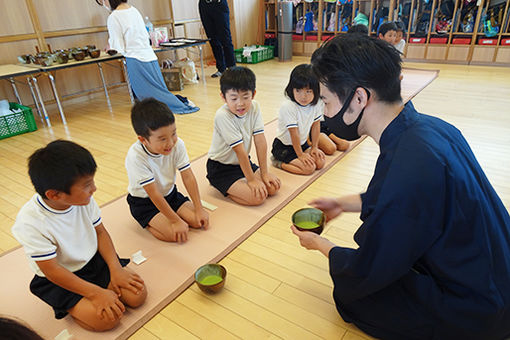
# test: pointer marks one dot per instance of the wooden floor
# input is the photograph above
(275, 288)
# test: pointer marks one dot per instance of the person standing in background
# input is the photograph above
(215, 19)
(128, 36)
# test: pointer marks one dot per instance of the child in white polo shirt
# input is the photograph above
(236, 125)
(76, 268)
(152, 163)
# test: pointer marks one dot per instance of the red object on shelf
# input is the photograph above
(269, 35)
(505, 41)
(461, 41)
(487, 41)
(311, 37)
(326, 36)
(438, 40)
(416, 40)
(297, 37)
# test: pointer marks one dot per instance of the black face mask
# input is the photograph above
(337, 125)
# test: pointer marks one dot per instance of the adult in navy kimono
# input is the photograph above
(433, 260)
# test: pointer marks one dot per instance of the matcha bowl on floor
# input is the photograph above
(309, 219)
(210, 278)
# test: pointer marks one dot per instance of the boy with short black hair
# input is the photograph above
(388, 32)
(151, 163)
(76, 268)
(236, 125)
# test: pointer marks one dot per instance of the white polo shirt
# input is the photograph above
(144, 167)
(67, 235)
(292, 115)
(128, 35)
(231, 130)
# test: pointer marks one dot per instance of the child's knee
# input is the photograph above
(254, 200)
(105, 324)
(134, 300)
(319, 164)
(308, 169)
(329, 149)
(271, 190)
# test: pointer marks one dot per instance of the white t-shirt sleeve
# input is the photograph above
(116, 36)
(258, 126)
(181, 156)
(94, 213)
(226, 128)
(288, 115)
(138, 169)
(318, 111)
(37, 246)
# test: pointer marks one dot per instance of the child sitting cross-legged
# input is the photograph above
(76, 268)
(151, 163)
(237, 124)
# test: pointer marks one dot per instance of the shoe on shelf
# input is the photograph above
(216, 74)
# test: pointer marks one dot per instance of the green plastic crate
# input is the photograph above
(266, 53)
(17, 123)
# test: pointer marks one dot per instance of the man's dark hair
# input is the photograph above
(301, 77)
(113, 3)
(149, 115)
(358, 28)
(386, 27)
(355, 60)
(59, 165)
(237, 78)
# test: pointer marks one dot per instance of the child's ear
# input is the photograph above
(223, 96)
(253, 95)
(142, 139)
(381, 36)
(53, 194)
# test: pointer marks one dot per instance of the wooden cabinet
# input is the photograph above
(454, 31)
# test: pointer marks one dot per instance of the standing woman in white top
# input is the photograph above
(128, 35)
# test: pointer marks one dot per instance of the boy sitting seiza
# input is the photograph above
(77, 270)
(236, 125)
(151, 163)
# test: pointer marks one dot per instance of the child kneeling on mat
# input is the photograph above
(236, 125)
(298, 118)
(151, 163)
(77, 270)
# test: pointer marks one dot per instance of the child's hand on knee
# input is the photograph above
(258, 188)
(272, 182)
(201, 219)
(180, 230)
(307, 159)
(107, 304)
(318, 154)
(125, 279)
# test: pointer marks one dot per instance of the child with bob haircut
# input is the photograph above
(388, 32)
(151, 163)
(299, 117)
(76, 268)
(400, 41)
(236, 124)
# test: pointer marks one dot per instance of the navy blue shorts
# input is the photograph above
(285, 153)
(95, 271)
(143, 210)
(222, 176)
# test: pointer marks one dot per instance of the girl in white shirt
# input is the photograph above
(298, 117)
(128, 36)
